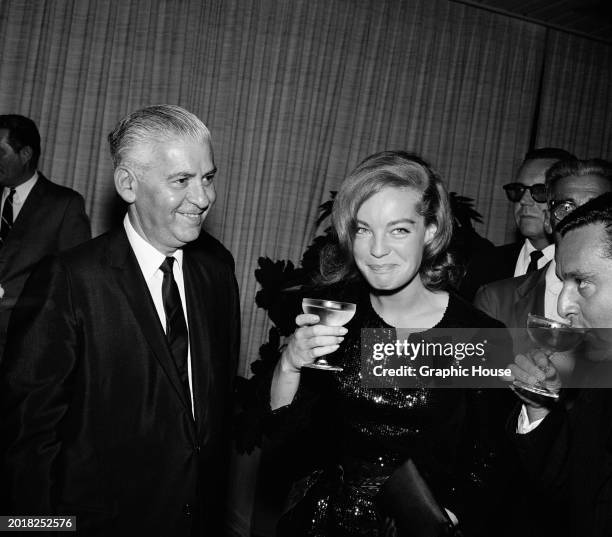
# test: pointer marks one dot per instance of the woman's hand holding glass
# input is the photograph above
(310, 341)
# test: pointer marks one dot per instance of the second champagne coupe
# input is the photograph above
(331, 313)
(550, 336)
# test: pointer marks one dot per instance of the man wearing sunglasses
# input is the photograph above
(569, 184)
(565, 447)
(528, 196)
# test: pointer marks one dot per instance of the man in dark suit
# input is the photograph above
(117, 381)
(38, 217)
(566, 448)
(570, 184)
(528, 197)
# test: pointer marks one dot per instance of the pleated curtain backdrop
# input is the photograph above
(296, 93)
(576, 105)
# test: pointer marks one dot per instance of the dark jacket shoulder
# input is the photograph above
(210, 246)
(509, 251)
(524, 283)
(52, 189)
(112, 246)
(94, 251)
(489, 265)
(465, 314)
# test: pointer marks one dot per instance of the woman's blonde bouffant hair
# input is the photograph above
(391, 169)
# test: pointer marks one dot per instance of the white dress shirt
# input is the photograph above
(149, 259)
(22, 192)
(524, 258)
(553, 290)
(524, 425)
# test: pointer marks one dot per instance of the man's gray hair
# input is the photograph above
(595, 211)
(154, 124)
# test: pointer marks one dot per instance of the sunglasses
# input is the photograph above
(515, 191)
(561, 208)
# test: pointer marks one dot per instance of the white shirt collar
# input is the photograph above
(548, 252)
(523, 259)
(149, 258)
(21, 191)
(552, 282)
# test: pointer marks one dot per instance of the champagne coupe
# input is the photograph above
(331, 313)
(550, 336)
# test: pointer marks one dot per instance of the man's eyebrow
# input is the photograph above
(191, 174)
(577, 275)
(181, 174)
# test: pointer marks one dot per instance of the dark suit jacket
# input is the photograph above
(568, 463)
(511, 300)
(489, 265)
(52, 219)
(95, 418)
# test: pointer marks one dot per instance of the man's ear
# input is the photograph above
(125, 183)
(25, 154)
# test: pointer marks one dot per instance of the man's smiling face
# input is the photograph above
(174, 191)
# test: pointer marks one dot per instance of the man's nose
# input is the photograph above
(526, 198)
(201, 195)
(566, 303)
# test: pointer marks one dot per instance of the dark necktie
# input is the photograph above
(7, 217)
(176, 327)
(533, 264)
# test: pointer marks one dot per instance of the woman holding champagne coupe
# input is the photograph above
(393, 224)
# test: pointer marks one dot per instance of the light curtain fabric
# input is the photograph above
(295, 94)
(576, 104)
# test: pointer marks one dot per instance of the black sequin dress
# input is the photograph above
(367, 433)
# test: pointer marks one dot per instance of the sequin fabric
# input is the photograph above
(375, 431)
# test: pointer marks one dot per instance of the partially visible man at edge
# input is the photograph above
(565, 447)
(39, 217)
(569, 184)
(116, 386)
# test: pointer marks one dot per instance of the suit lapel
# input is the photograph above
(20, 236)
(528, 298)
(199, 296)
(35, 199)
(510, 256)
(598, 415)
(130, 279)
(539, 303)
(530, 295)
